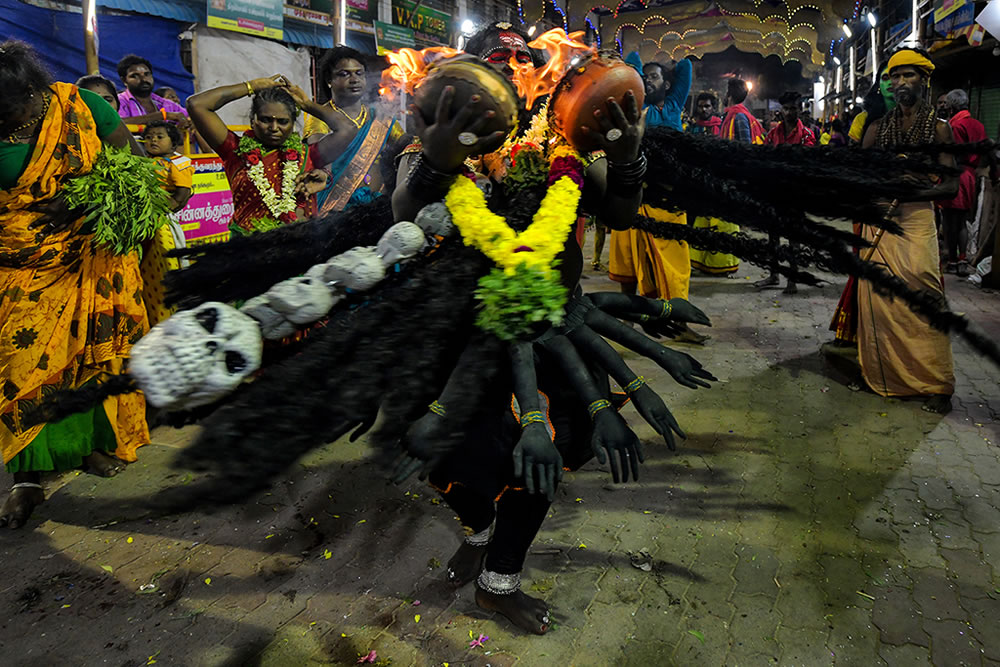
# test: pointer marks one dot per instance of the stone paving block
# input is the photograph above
(802, 603)
(905, 506)
(983, 615)
(953, 643)
(935, 492)
(692, 650)
(755, 571)
(754, 627)
(980, 513)
(896, 616)
(644, 653)
(986, 468)
(969, 573)
(952, 535)
(853, 638)
(907, 654)
(934, 595)
(802, 646)
(919, 547)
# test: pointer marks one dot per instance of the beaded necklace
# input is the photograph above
(14, 137)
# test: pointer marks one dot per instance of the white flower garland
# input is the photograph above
(278, 206)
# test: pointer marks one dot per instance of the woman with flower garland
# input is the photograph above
(269, 169)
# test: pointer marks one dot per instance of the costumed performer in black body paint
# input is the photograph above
(501, 478)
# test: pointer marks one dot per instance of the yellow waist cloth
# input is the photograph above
(69, 310)
(900, 353)
(715, 262)
(661, 267)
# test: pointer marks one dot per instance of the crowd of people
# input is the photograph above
(70, 311)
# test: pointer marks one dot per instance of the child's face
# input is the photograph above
(158, 142)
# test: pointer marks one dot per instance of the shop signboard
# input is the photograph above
(428, 25)
(390, 37)
(260, 18)
(205, 218)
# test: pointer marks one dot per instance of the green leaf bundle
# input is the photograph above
(124, 199)
(513, 304)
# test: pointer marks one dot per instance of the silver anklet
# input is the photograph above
(499, 584)
(26, 485)
(480, 539)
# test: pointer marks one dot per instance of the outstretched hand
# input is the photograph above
(537, 461)
(655, 412)
(683, 368)
(613, 436)
(682, 310)
(310, 182)
(418, 445)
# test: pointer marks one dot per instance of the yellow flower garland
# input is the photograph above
(490, 233)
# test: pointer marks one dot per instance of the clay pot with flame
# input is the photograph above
(585, 89)
(469, 76)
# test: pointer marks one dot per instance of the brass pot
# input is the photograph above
(585, 89)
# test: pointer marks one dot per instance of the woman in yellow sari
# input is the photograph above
(69, 309)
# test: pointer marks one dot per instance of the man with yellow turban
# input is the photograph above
(900, 353)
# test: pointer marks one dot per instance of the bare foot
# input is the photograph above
(770, 281)
(790, 288)
(102, 465)
(19, 505)
(938, 404)
(524, 611)
(466, 564)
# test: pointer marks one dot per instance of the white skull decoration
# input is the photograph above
(435, 220)
(400, 242)
(358, 269)
(301, 300)
(196, 356)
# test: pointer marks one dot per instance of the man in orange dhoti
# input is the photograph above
(900, 353)
(69, 309)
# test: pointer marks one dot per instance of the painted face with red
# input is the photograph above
(508, 45)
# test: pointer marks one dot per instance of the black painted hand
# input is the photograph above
(625, 127)
(683, 368)
(682, 310)
(655, 412)
(611, 437)
(418, 445)
(441, 143)
(537, 461)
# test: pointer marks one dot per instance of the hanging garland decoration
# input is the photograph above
(292, 158)
(524, 289)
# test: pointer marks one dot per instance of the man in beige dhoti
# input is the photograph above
(900, 353)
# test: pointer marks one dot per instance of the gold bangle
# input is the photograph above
(249, 89)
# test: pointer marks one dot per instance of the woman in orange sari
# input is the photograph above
(69, 309)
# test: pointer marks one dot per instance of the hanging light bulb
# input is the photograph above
(847, 30)
(468, 27)
(836, 61)
(871, 19)
(531, 31)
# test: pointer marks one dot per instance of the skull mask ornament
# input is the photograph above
(400, 242)
(196, 356)
(301, 300)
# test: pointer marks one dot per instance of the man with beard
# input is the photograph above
(653, 267)
(138, 105)
(901, 354)
(705, 120)
(791, 130)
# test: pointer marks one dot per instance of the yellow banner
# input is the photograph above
(247, 27)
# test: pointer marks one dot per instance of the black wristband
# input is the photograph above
(427, 183)
(626, 177)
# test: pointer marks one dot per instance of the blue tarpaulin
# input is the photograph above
(58, 38)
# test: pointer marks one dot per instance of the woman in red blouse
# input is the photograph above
(269, 169)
